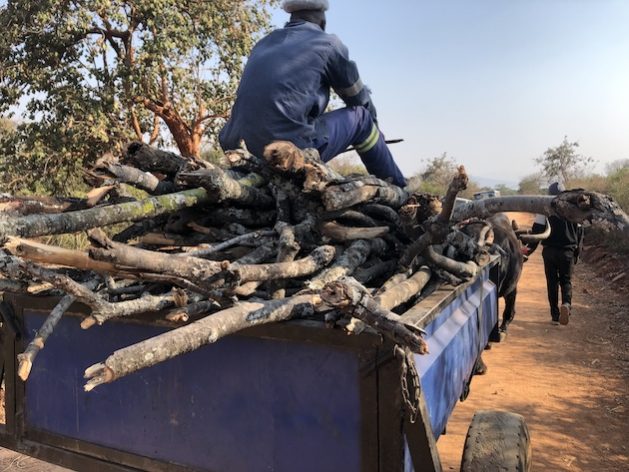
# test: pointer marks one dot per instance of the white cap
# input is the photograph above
(291, 6)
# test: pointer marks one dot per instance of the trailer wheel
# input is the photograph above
(497, 441)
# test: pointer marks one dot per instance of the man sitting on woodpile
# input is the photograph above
(285, 89)
(561, 253)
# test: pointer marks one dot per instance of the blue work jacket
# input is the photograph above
(286, 86)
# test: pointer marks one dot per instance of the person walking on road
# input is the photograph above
(561, 253)
(285, 90)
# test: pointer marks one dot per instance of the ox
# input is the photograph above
(507, 242)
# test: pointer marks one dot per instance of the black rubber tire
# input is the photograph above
(497, 441)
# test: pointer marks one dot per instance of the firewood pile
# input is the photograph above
(217, 249)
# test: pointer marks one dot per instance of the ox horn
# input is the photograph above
(533, 238)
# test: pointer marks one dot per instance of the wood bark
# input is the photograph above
(221, 187)
(339, 233)
(257, 236)
(193, 336)
(437, 228)
(372, 190)
(317, 260)
(193, 268)
(353, 257)
(401, 293)
(142, 180)
(576, 206)
(145, 304)
(150, 159)
(350, 297)
(462, 270)
(27, 358)
(44, 225)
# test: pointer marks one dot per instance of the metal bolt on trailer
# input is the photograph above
(284, 397)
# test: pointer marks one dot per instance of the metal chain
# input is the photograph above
(409, 381)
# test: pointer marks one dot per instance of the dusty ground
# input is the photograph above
(571, 383)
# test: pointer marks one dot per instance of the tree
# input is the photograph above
(505, 190)
(97, 73)
(563, 162)
(615, 166)
(531, 185)
(437, 175)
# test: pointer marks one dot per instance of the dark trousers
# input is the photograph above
(354, 126)
(559, 266)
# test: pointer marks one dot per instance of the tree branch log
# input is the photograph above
(193, 336)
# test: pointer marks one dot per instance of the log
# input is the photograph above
(437, 228)
(195, 269)
(221, 188)
(381, 212)
(353, 257)
(461, 270)
(145, 304)
(150, 159)
(244, 238)
(193, 336)
(45, 254)
(183, 314)
(288, 248)
(350, 297)
(27, 358)
(356, 218)
(45, 225)
(364, 275)
(317, 260)
(339, 233)
(576, 206)
(142, 180)
(33, 204)
(372, 190)
(400, 293)
(18, 269)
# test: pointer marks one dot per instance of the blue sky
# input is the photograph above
(493, 83)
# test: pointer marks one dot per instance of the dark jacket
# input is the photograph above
(286, 85)
(563, 234)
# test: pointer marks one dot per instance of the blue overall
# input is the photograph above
(285, 89)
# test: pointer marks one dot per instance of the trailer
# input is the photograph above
(294, 396)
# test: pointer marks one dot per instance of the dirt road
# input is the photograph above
(571, 383)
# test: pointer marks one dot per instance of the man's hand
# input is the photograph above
(525, 251)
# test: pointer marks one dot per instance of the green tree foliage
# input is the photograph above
(563, 162)
(348, 165)
(505, 190)
(92, 74)
(437, 175)
(531, 185)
